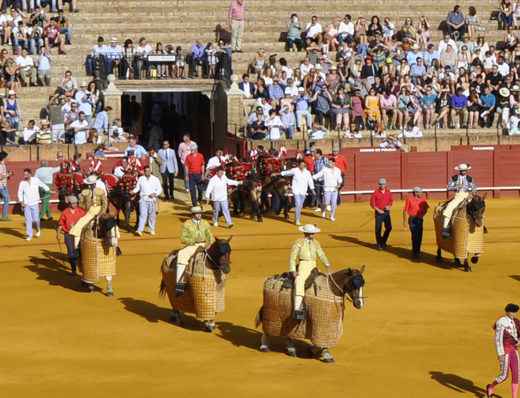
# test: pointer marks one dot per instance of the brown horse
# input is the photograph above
(467, 232)
(127, 202)
(248, 198)
(217, 260)
(347, 282)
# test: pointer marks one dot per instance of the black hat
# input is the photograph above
(512, 308)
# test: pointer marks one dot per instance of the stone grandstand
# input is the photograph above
(181, 22)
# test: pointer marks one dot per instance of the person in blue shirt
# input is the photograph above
(101, 121)
(459, 107)
(114, 54)
(302, 108)
(487, 107)
(198, 57)
(276, 91)
(428, 102)
(137, 149)
(44, 67)
(430, 55)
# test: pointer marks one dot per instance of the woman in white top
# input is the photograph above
(331, 185)
(274, 123)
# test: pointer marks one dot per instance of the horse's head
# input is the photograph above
(476, 209)
(221, 254)
(353, 283)
(110, 229)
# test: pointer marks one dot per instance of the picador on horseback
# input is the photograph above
(93, 200)
(464, 186)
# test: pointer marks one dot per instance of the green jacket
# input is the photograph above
(305, 250)
(191, 231)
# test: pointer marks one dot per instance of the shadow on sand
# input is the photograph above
(515, 277)
(402, 252)
(13, 232)
(459, 384)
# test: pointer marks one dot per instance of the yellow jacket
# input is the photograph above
(96, 198)
(192, 230)
(305, 250)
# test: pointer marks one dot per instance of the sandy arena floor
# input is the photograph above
(425, 330)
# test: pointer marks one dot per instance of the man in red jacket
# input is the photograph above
(381, 202)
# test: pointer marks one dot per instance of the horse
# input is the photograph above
(248, 197)
(67, 183)
(124, 200)
(99, 239)
(278, 188)
(276, 313)
(467, 234)
(205, 275)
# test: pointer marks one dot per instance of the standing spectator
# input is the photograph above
(68, 118)
(183, 151)
(381, 201)
(101, 121)
(459, 107)
(332, 181)
(236, 23)
(46, 175)
(415, 208)
(217, 191)
(29, 133)
(68, 218)
(149, 188)
(302, 180)
(197, 57)
(27, 70)
(53, 37)
(320, 163)
(507, 334)
(63, 25)
(29, 197)
(314, 32)
(456, 23)
(154, 159)
(85, 102)
(168, 169)
(194, 170)
(4, 192)
(80, 128)
(55, 110)
(294, 31)
(114, 55)
(44, 67)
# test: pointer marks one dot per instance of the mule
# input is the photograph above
(467, 232)
(347, 283)
(217, 260)
(248, 198)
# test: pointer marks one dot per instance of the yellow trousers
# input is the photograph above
(304, 270)
(83, 221)
(452, 205)
(184, 255)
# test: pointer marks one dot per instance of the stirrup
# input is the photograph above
(446, 232)
(179, 288)
(299, 315)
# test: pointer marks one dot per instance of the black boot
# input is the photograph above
(179, 288)
(446, 232)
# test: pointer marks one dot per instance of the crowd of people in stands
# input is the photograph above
(383, 77)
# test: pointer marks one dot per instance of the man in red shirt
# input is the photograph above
(341, 163)
(194, 167)
(415, 208)
(69, 217)
(381, 202)
(53, 37)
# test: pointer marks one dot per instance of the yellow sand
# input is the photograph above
(425, 330)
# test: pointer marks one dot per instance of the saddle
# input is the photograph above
(288, 279)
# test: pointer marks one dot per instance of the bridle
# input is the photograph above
(355, 282)
(222, 249)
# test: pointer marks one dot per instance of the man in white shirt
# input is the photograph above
(168, 169)
(29, 198)
(123, 168)
(411, 131)
(345, 29)
(84, 99)
(98, 49)
(27, 71)
(218, 160)
(29, 133)
(150, 188)
(447, 41)
(217, 192)
(80, 127)
(314, 32)
(302, 180)
(331, 184)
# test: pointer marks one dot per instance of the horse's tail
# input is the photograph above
(162, 289)
(259, 317)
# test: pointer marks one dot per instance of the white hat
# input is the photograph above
(83, 84)
(91, 179)
(309, 229)
(463, 167)
(415, 47)
(301, 89)
(196, 209)
(287, 91)
(193, 146)
(504, 92)
(11, 92)
(113, 40)
(382, 181)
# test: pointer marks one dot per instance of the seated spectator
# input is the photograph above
(85, 102)
(44, 67)
(114, 54)
(63, 24)
(341, 109)
(276, 92)
(258, 128)
(20, 37)
(428, 102)
(253, 117)
(345, 30)
(98, 51)
(136, 149)
(510, 38)
(388, 106)
(456, 23)
(487, 107)
(12, 111)
(430, 54)
(29, 133)
(288, 121)
(411, 131)
(302, 108)
(197, 58)
(322, 100)
(294, 31)
(117, 134)
(68, 118)
(353, 132)
(408, 32)
(506, 13)
(372, 112)
(69, 84)
(11, 75)
(358, 113)
(331, 35)
(360, 29)
(274, 124)
(53, 37)
(140, 62)
(391, 142)
(15, 16)
(317, 132)
(447, 41)
(44, 135)
(424, 32)
(249, 90)
(314, 32)
(72, 5)
(514, 123)
(473, 108)
(7, 133)
(459, 107)
(80, 127)
(101, 122)
(93, 136)
(27, 70)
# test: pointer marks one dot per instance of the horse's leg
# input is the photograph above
(176, 317)
(439, 255)
(467, 268)
(291, 349)
(457, 262)
(91, 288)
(110, 292)
(264, 344)
(475, 258)
(209, 326)
(327, 357)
